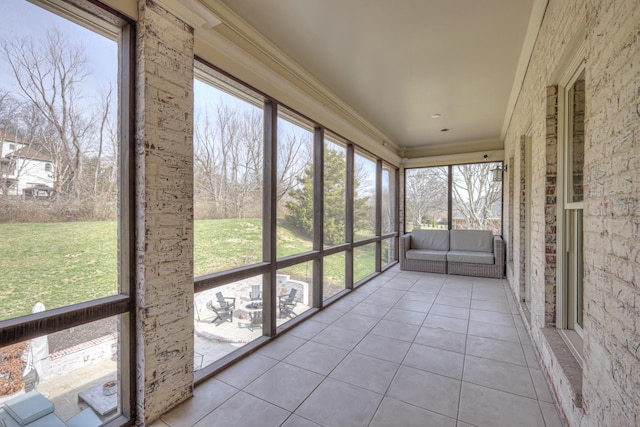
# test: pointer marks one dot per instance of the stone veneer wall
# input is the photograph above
(607, 388)
(164, 216)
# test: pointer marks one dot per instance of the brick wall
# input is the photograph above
(607, 388)
(164, 182)
(612, 214)
(551, 201)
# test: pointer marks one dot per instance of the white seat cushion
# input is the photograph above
(426, 255)
(471, 257)
(28, 407)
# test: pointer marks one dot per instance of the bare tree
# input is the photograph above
(228, 161)
(106, 133)
(49, 74)
(426, 195)
(293, 156)
(475, 193)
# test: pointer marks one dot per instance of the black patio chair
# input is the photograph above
(286, 304)
(256, 293)
(256, 319)
(223, 309)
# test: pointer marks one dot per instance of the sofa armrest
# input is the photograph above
(498, 250)
(405, 245)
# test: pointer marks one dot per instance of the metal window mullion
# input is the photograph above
(127, 223)
(269, 216)
(450, 197)
(396, 207)
(47, 322)
(318, 215)
(378, 215)
(349, 213)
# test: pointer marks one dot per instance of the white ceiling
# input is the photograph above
(397, 62)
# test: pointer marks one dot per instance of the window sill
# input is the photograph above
(575, 344)
(567, 363)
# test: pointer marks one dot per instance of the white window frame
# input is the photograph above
(565, 297)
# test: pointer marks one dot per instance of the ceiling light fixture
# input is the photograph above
(436, 116)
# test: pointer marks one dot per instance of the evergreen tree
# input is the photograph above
(301, 206)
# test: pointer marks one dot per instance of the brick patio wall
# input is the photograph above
(164, 182)
(607, 390)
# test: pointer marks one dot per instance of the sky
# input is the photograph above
(22, 18)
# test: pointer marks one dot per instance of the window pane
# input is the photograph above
(294, 286)
(226, 318)
(335, 192)
(228, 176)
(388, 251)
(295, 185)
(477, 198)
(364, 205)
(364, 261)
(575, 146)
(388, 199)
(334, 275)
(59, 156)
(69, 367)
(426, 198)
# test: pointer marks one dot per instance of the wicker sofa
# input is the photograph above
(464, 252)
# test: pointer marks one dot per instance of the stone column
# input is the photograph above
(164, 211)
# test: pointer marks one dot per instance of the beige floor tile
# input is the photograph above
(381, 301)
(396, 330)
(541, 386)
(206, 398)
(356, 322)
(446, 323)
(308, 329)
(328, 315)
(413, 305)
(450, 311)
(370, 310)
(405, 316)
(426, 390)
(316, 357)
(500, 307)
(285, 385)
(393, 412)
(484, 406)
(492, 330)
(550, 414)
(492, 317)
(246, 370)
(389, 349)
(426, 287)
(420, 296)
(336, 336)
(440, 338)
(435, 360)
(297, 421)
(367, 372)
(489, 348)
(454, 301)
(244, 410)
(499, 375)
(338, 404)
(282, 346)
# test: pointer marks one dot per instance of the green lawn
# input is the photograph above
(64, 263)
(56, 264)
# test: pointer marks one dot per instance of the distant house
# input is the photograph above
(25, 169)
